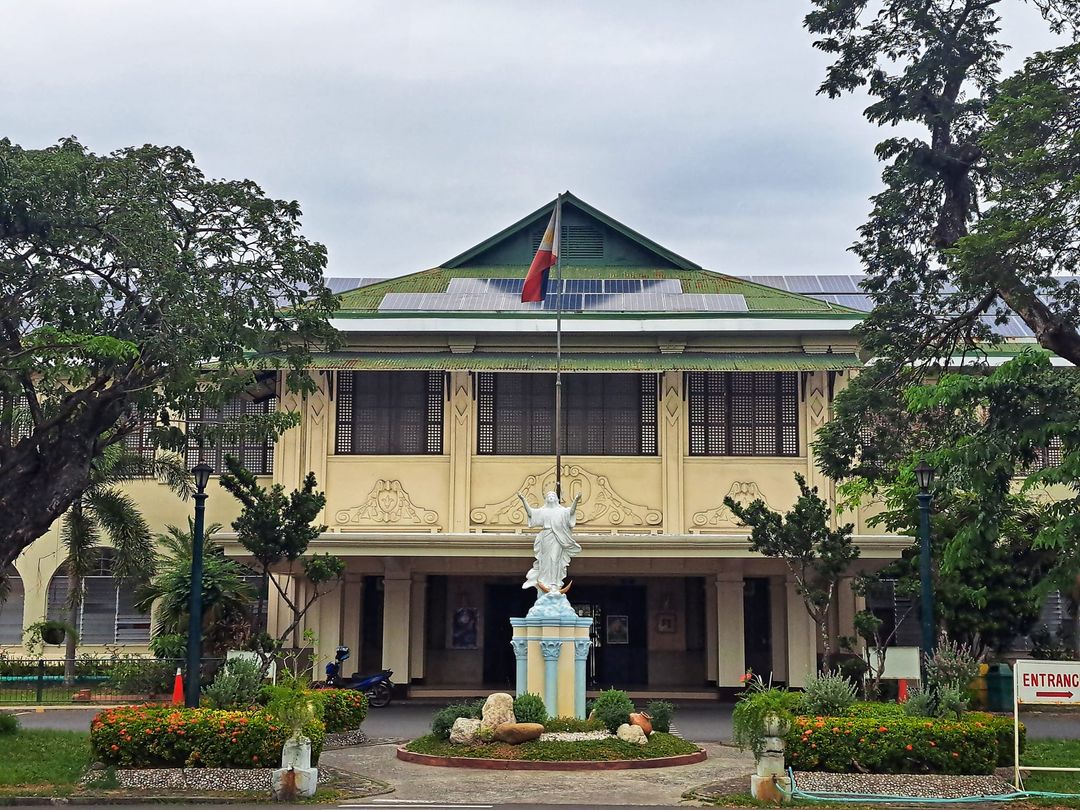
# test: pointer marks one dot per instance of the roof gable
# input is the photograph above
(589, 237)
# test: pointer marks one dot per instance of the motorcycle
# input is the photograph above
(378, 689)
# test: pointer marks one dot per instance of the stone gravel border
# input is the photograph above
(908, 785)
(200, 779)
(344, 739)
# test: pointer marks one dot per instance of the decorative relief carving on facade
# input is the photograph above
(600, 504)
(672, 402)
(388, 502)
(743, 493)
(462, 401)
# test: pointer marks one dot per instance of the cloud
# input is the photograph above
(412, 130)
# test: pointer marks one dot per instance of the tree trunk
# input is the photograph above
(74, 601)
(41, 476)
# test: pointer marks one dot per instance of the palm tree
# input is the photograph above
(104, 510)
(226, 594)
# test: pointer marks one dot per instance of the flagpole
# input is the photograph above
(558, 349)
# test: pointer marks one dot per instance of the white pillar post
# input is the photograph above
(417, 626)
(801, 638)
(397, 603)
(730, 636)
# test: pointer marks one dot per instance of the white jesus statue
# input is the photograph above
(554, 545)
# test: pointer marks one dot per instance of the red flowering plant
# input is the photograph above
(342, 709)
(892, 744)
(169, 736)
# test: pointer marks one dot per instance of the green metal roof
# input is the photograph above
(499, 361)
(760, 299)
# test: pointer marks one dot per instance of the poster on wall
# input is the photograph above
(618, 629)
(463, 635)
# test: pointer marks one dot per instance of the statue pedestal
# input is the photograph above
(551, 644)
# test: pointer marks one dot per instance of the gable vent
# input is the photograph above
(577, 242)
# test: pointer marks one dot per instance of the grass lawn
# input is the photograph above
(40, 759)
(660, 745)
(1053, 753)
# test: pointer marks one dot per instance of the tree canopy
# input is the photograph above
(133, 287)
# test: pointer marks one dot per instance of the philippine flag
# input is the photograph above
(536, 279)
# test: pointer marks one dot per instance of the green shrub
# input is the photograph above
(612, 707)
(343, 709)
(236, 686)
(134, 675)
(529, 708)
(919, 703)
(171, 646)
(827, 695)
(865, 708)
(443, 719)
(9, 723)
(554, 724)
(892, 745)
(171, 737)
(661, 712)
(953, 665)
(1002, 728)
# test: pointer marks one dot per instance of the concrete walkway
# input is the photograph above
(424, 783)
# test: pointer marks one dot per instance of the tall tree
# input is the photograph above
(815, 553)
(277, 529)
(105, 512)
(130, 282)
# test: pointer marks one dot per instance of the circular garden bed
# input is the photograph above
(662, 751)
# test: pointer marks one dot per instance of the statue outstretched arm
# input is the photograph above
(573, 509)
(528, 509)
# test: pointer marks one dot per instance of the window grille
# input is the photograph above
(255, 453)
(602, 414)
(15, 422)
(1050, 456)
(891, 608)
(137, 442)
(390, 413)
(11, 609)
(738, 413)
(106, 613)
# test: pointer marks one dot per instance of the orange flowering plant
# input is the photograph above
(342, 709)
(170, 736)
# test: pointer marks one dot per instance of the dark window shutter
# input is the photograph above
(739, 413)
(390, 413)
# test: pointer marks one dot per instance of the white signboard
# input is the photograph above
(1047, 681)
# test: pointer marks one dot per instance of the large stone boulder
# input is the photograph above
(465, 731)
(498, 709)
(517, 733)
(631, 734)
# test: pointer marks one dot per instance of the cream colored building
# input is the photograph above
(681, 386)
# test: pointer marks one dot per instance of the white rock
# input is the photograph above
(465, 731)
(631, 734)
(498, 709)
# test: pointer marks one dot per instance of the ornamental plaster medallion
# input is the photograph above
(388, 502)
(600, 504)
(743, 493)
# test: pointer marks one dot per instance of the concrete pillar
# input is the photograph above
(672, 438)
(730, 637)
(582, 646)
(778, 627)
(327, 628)
(801, 638)
(397, 604)
(352, 606)
(551, 650)
(521, 659)
(846, 607)
(712, 645)
(417, 627)
(459, 445)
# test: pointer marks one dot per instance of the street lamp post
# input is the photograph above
(924, 475)
(202, 472)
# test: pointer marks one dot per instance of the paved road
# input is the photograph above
(390, 804)
(701, 721)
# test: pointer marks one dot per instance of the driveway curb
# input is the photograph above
(539, 765)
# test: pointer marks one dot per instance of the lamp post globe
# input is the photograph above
(924, 476)
(201, 472)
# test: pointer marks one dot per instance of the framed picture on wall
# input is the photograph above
(464, 633)
(618, 629)
(665, 622)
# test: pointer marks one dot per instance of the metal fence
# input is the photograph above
(92, 679)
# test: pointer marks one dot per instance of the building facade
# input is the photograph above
(681, 386)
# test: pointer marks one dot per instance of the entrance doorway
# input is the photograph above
(757, 626)
(502, 601)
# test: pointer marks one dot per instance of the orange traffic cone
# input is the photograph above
(901, 696)
(178, 689)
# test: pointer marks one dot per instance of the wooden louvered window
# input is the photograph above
(737, 413)
(389, 413)
(577, 242)
(255, 453)
(603, 414)
(137, 442)
(106, 614)
(11, 608)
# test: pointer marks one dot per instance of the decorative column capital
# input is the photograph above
(521, 648)
(551, 649)
(581, 649)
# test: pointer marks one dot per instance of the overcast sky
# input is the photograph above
(410, 131)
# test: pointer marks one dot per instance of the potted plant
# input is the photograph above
(293, 705)
(49, 631)
(762, 711)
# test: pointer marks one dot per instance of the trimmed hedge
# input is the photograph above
(893, 743)
(167, 736)
(342, 709)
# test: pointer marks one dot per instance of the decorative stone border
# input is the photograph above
(198, 779)
(539, 765)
